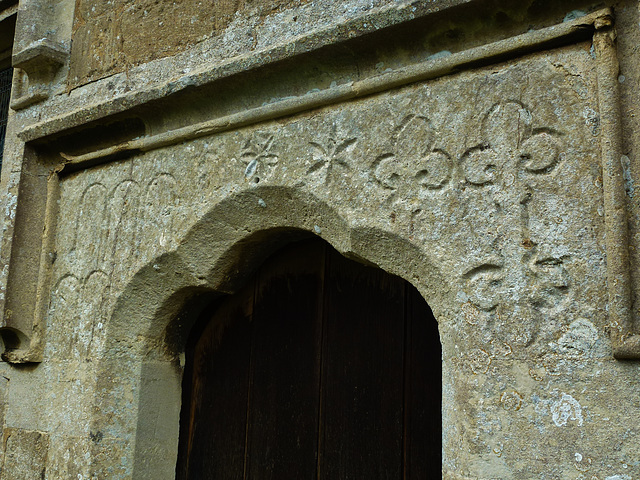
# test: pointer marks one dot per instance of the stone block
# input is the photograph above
(25, 455)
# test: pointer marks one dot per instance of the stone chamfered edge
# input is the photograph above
(597, 25)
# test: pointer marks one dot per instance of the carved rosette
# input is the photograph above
(330, 157)
(259, 157)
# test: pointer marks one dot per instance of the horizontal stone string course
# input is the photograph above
(581, 28)
(498, 180)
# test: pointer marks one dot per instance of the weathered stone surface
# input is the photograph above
(114, 35)
(496, 189)
(26, 454)
(483, 188)
(493, 174)
(420, 28)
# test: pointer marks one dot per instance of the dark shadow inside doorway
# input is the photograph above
(320, 367)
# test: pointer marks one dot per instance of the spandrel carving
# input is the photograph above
(330, 157)
(414, 161)
(115, 219)
(495, 187)
(504, 167)
(501, 193)
(259, 157)
(82, 303)
(157, 210)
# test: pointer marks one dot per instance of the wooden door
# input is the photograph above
(320, 368)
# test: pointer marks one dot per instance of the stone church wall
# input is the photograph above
(484, 151)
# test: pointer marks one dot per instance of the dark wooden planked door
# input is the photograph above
(362, 373)
(321, 368)
(285, 380)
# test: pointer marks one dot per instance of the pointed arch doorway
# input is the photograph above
(319, 368)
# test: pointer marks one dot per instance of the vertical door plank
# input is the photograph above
(219, 386)
(284, 391)
(362, 386)
(423, 391)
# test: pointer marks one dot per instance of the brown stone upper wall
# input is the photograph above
(112, 35)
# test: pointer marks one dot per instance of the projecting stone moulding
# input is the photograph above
(38, 52)
(40, 62)
(506, 172)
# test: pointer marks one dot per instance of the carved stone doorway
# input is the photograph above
(321, 367)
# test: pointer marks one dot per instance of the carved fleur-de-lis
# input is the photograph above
(330, 155)
(511, 154)
(510, 145)
(258, 157)
(413, 159)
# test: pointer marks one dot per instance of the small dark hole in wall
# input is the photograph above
(10, 339)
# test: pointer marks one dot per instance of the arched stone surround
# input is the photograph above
(163, 298)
